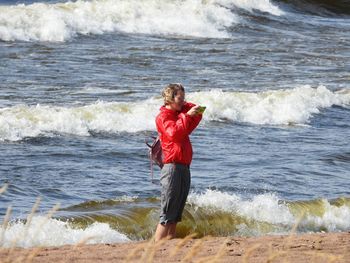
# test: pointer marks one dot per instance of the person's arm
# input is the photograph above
(191, 121)
(194, 120)
(175, 130)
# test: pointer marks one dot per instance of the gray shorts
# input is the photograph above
(175, 181)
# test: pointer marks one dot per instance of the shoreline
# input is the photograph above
(315, 247)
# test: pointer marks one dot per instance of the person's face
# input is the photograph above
(179, 101)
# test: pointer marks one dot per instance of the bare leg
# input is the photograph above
(161, 232)
(165, 231)
(172, 230)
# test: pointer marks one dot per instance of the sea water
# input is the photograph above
(80, 85)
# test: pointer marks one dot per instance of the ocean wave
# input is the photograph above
(52, 232)
(210, 212)
(266, 213)
(63, 21)
(220, 213)
(271, 107)
(23, 121)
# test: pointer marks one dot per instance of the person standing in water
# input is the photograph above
(175, 122)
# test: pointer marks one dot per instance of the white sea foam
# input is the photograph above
(267, 208)
(52, 232)
(126, 198)
(250, 5)
(62, 21)
(31, 121)
(334, 219)
(261, 208)
(274, 107)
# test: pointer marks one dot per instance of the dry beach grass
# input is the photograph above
(317, 248)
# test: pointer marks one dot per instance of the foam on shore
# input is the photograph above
(52, 232)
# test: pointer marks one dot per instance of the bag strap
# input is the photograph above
(152, 179)
(150, 158)
(150, 146)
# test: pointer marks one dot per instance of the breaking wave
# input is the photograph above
(59, 22)
(52, 232)
(273, 107)
(63, 21)
(208, 213)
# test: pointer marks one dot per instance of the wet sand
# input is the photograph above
(323, 247)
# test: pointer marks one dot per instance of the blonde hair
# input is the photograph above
(170, 91)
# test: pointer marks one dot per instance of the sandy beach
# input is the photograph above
(323, 247)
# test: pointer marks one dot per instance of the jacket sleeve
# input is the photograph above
(193, 121)
(175, 130)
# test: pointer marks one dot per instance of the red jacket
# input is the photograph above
(174, 129)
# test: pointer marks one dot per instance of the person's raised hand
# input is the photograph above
(193, 111)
